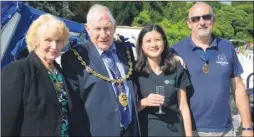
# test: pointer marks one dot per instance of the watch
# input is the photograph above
(250, 128)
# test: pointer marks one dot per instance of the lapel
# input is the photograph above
(122, 55)
(97, 63)
(43, 77)
(123, 58)
(133, 94)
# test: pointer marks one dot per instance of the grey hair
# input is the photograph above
(96, 9)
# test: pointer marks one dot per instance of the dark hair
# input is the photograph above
(167, 63)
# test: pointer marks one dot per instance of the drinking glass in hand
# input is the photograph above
(160, 91)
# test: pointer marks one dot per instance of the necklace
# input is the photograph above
(91, 71)
(53, 70)
(56, 79)
(122, 98)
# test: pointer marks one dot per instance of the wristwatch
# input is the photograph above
(250, 128)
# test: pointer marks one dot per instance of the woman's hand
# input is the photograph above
(152, 100)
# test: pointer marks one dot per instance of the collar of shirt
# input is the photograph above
(112, 48)
(213, 44)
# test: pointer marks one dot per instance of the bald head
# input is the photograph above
(201, 20)
(101, 11)
(199, 6)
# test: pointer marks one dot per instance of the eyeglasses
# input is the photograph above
(204, 17)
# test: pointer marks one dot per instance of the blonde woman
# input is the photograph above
(35, 101)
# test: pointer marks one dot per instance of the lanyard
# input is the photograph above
(205, 56)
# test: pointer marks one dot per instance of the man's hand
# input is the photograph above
(247, 133)
(242, 103)
(180, 60)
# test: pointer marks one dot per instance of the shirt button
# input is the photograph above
(116, 109)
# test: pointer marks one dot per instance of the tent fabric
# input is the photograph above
(20, 46)
(28, 15)
(19, 52)
(7, 11)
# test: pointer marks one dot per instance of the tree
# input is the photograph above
(232, 22)
(175, 32)
(123, 11)
(80, 10)
(57, 8)
(144, 18)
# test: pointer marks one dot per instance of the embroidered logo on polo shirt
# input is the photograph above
(222, 60)
(169, 82)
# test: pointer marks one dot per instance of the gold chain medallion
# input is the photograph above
(123, 100)
(205, 68)
(91, 71)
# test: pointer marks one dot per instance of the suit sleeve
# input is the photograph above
(69, 67)
(78, 116)
(11, 99)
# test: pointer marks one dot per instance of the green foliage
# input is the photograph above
(232, 22)
(177, 11)
(175, 32)
(142, 19)
(54, 7)
(123, 11)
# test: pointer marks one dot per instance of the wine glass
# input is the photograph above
(160, 91)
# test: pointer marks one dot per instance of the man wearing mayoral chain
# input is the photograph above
(213, 67)
(99, 74)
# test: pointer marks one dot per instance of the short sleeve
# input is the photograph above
(182, 78)
(237, 68)
(172, 51)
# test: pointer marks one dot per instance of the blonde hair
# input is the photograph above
(46, 21)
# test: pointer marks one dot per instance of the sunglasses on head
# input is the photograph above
(204, 17)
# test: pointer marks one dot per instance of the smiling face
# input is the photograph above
(101, 30)
(201, 26)
(50, 44)
(153, 44)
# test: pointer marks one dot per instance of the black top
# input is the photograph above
(169, 124)
(30, 106)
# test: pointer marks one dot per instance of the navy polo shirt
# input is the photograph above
(210, 101)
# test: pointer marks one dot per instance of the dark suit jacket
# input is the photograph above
(29, 102)
(95, 106)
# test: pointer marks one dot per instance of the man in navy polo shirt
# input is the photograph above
(214, 69)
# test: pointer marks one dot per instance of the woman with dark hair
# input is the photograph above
(155, 67)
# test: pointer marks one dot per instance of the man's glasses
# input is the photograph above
(205, 17)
